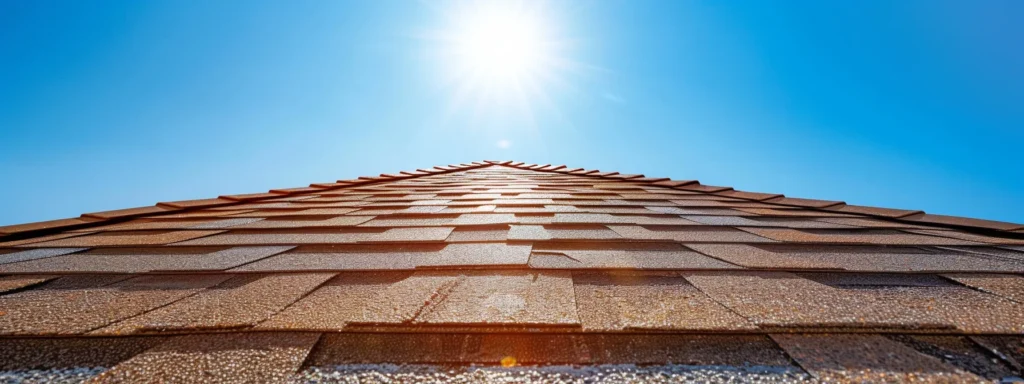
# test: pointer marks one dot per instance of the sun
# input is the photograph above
(499, 56)
(500, 44)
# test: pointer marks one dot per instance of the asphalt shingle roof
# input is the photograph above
(481, 262)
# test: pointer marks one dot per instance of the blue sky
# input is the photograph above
(907, 104)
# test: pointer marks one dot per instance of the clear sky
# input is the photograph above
(907, 104)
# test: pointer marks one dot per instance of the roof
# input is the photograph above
(507, 263)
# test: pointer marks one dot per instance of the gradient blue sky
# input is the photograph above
(907, 104)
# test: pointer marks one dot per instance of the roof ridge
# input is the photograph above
(28, 230)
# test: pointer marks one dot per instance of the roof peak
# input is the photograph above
(914, 216)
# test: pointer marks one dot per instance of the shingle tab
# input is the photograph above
(340, 221)
(45, 225)
(451, 255)
(867, 358)
(202, 203)
(388, 235)
(137, 238)
(360, 297)
(130, 260)
(242, 301)
(128, 212)
(242, 358)
(34, 254)
(561, 232)
(10, 283)
(617, 301)
(968, 236)
(854, 258)
(883, 237)
(964, 221)
(53, 310)
(623, 256)
(687, 234)
(779, 299)
(519, 298)
(1008, 286)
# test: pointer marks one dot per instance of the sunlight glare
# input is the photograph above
(501, 58)
(500, 45)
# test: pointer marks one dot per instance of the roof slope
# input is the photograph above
(491, 261)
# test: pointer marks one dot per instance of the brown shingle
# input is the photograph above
(134, 238)
(451, 255)
(790, 212)
(879, 236)
(71, 353)
(998, 252)
(242, 301)
(617, 301)
(867, 222)
(874, 211)
(811, 203)
(561, 232)
(444, 220)
(702, 188)
(40, 239)
(241, 358)
(201, 203)
(43, 225)
(867, 358)
(53, 309)
(763, 222)
(361, 297)
(674, 183)
(131, 260)
(388, 235)
(249, 196)
(686, 234)
(699, 211)
(476, 254)
(334, 262)
(200, 223)
(604, 218)
(860, 280)
(623, 256)
(963, 221)
(1008, 286)
(959, 351)
(340, 221)
(854, 258)
(749, 195)
(783, 299)
(754, 257)
(10, 283)
(968, 236)
(1009, 348)
(479, 233)
(35, 254)
(128, 212)
(518, 298)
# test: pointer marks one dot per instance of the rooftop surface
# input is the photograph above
(507, 264)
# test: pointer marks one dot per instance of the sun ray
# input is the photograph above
(501, 56)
